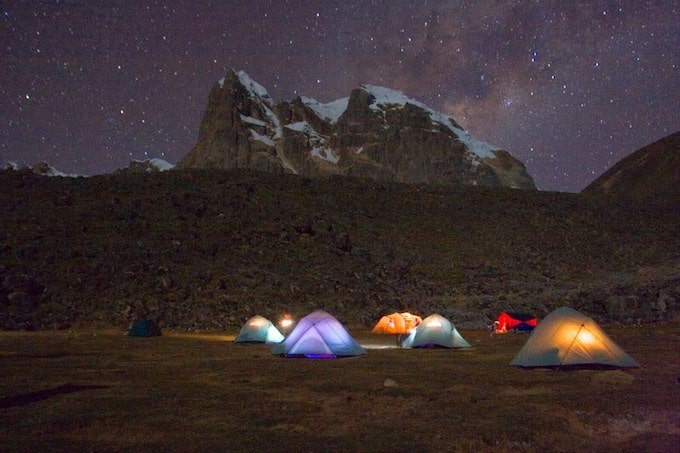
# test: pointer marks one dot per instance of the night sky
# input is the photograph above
(567, 87)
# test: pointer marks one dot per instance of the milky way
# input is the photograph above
(567, 87)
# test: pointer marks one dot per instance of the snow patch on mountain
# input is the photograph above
(326, 154)
(252, 86)
(480, 148)
(261, 138)
(253, 121)
(278, 130)
(304, 127)
(301, 126)
(387, 97)
(159, 164)
(331, 111)
(40, 168)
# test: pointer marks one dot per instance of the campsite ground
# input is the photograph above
(102, 390)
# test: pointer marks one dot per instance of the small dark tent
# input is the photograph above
(519, 322)
(144, 328)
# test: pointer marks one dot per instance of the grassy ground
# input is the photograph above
(101, 390)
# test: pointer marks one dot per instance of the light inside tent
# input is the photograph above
(585, 336)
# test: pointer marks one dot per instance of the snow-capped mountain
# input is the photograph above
(376, 133)
(136, 166)
(147, 166)
(40, 168)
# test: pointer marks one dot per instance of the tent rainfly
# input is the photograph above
(319, 335)
(397, 323)
(567, 338)
(519, 322)
(259, 329)
(435, 332)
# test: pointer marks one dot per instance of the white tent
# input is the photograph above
(435, 331)
(259, 329)
(319, 335)
(568, 338)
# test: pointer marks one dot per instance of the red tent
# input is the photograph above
(510, 320)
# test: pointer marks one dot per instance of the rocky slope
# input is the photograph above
(206, 249)
(649, 175)
(376, 133)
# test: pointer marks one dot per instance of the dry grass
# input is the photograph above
(102, 390)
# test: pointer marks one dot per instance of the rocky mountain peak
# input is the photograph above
(376, 133)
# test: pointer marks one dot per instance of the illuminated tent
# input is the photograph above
(319, 335)
(258, 330)
(144, 328)
(435, 331)
(520, 322)
(568, 338)
(398, 323)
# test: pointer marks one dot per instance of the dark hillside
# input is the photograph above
(650, 175)
(205, 249)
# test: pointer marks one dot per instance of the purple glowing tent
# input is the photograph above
(319, 335)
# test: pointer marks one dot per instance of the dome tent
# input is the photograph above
(398, 323)
(568, 338)
(259, 329)
(144, 328)
(518, 322)
(435, 331)
(319, 335)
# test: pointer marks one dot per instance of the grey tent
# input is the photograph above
(568, 338)
(259, 329)
(435, 331)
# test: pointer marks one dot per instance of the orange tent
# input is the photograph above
(412, 321)
(397, 323)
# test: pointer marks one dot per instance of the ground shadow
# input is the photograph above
(32, 397)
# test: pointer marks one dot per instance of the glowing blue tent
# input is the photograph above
(435, 331)
(319, 335)
(258, 330)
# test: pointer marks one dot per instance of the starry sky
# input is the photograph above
(567, 87)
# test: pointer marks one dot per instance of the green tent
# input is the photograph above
(144, 328)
